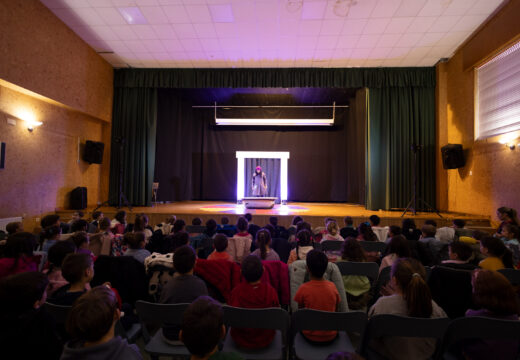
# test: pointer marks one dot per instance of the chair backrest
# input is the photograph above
(307, 319)
(158, 314)
(512, 275)
(373, 246)
(396, 325)
(58, 312)
(270, 318)
(368, 269)
(331, 245)
(195, 229)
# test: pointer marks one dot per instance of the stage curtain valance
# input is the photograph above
(304, 77)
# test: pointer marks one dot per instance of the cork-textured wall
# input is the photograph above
(490, 177)
(40, 53)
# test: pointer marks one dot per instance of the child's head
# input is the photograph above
(93, 314)
(22, 292)
(242, 224)
(211, 227)
(408, 225)
(492, 246)
(428, 231)
(220, 242)
(80, 239)
(458, 223)
(365, 230)
(273, 220)
(202, 326)
(171, 219)
(121, 216)
(104, 224)
(493, 291)
(431, 222)
(184, 259)
(252, 268)
(399, 245)
(135, 240)
(296, 220)
(50, 233)
(317, 263)
(79, 225)
(224, 220)
(263, 239)
(302, 225)
(50, 220)
(348, 221)
(59, 251)
(97, 215)
(352, 250)
(179, 239)
(248, 217)
(140, 222)
(374, 220)
(20, 244)
(332, 228)
(304, 238)
(510, 231)
(271, 229)
(77, 268)
(394, 230)
(197, 221)
(14, 227)
(458, 250)
(506, 213)
(76, 215)
(409, 276)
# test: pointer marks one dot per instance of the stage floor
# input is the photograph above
(315, 213)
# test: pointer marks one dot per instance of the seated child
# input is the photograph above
(136, 242)
(240, 243)
(81, 240)
(220, 243)
(18, 254)
(318, 294)
(183, 288)
(428, 238)
(27, 331)
(253, 294)
(78, 270)
(511, 237)
(91, 323)
(397, 248)
(204, 316)
(349, 230)
(263, 243)
(57, 254)
(459, 256)
(332, 233)
(49, 236)
(303, 246)
(498, 256)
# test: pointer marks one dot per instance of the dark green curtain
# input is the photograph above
(134, 123)
(401, 105)
(399, 117)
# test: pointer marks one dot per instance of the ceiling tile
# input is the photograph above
(164, 31)
(75, 4)
(469, 23)
(367, 41)
(154, 46)
(331, 27)
(376, 26)
(185, 31)
(445, 23)
(379, 52)
(453, 38)
(458, 7)
(391, 62)
(191, 45)
(385, 8)
(409, 40)
(307, 42)
(104, 32)
(111, 16)
(268, 29)
(313, 10)
(388, 40)
(176, 14)
(225, 30)
(124, 32)
(198, 14)
(88, 16)
(85, 32)
(119, 3)
(205, 30)
(327, 42)
(359, 53)
(135, 46)
(144, 32)
(210, 44)
(97, 3)
(430, 39)
(244, 11)
(310, 27)
(290, 28)
(161, 56)
(484, 7)
(229, 44)
(147, 2)
(434, 8)
(398, 52)
(398, 25)
(118, 46)
(418, 52)
(421, 24)
(154, 15)
(353, 27)
(342, 53)
(348, 41)
(267, 10)
(410, 8)
(221, 13)
(362, 9)
(305, 54)
(323, 54)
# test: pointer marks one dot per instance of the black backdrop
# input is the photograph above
(195, 160)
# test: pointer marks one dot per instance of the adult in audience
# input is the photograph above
(78, 270)
(27, 331)
(239, 246)
(380, 231)
(251, 227)
(494, 297)
(136, 242)
(183, 288)
(349, 230)
(356, 286)
(460, 255)
(18, 254)
(93, 227)
(397, 248)
(263, 242)
(318, 294)
(57, 254)
(409, 230)
(303, 246)
(507, 216)
(498, 256)
(14, 227)
(202, 329)
(49, 236)
(118, 224)
(332, 232)
(407, 295)
(220, 243)
(253, 294)
(91, 323)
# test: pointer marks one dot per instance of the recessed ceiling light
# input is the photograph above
(221, 13)
(133, 15)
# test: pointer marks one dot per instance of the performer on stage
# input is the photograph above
(259, 182)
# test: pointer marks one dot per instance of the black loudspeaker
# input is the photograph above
(78, 198)
(93, 152)
(452, 156)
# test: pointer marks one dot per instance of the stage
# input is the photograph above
(314, 213)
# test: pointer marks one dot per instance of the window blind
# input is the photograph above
(498, 94)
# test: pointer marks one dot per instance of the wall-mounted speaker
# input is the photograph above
(93, 152)
(2, 155)
(452, 156)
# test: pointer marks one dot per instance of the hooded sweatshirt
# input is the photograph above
(114, 349)
(257, 296)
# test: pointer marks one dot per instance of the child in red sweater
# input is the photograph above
(318, 294)
(220, 243)
(253, 294)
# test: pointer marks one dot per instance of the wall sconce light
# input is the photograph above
(510, 143)
(31, 124)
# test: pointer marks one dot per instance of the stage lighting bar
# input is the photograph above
(274, 122)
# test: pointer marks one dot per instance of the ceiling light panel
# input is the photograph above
(132, 15)
(221, 13)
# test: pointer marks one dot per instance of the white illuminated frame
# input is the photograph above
(241, 155)
(274, 122)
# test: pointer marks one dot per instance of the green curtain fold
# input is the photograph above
(134, 122)
(399, 117)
